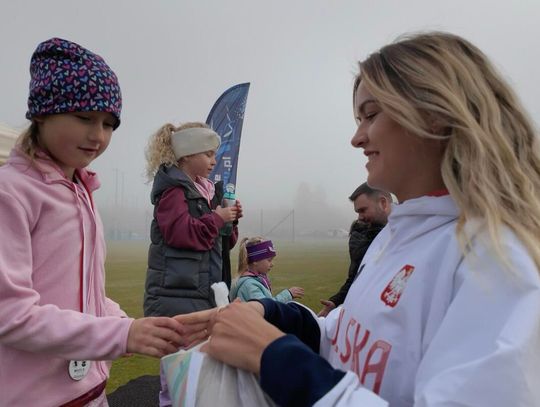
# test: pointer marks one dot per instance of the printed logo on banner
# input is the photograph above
(226, 118)
(392, 293)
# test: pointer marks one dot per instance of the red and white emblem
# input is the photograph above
(391, 294)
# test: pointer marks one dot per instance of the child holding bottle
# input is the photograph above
(185, 256)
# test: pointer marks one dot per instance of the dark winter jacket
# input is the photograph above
(178, 280)
(361, 236)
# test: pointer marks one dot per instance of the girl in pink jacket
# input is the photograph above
(57, 327)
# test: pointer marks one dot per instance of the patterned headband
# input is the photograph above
(260, 251)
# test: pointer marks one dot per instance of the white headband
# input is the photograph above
(194, 140)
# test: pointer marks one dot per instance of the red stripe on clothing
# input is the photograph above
(87, 397)
(439, 192)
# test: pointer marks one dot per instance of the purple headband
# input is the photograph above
(260, 251)
(66, 78)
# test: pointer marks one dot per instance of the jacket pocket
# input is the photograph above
(182, 268)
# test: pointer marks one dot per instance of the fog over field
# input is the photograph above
(174, 59)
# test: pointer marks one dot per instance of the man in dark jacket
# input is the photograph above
(373, 207)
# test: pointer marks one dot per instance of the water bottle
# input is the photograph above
(229, 199)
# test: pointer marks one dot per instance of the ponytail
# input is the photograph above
(242, 256)
(159, 150)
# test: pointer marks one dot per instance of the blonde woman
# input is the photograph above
(446, 311)
(185, 253)
(255, 260)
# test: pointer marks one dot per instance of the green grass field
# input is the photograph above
(319, 267)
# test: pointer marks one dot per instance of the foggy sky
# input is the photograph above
(174, 58)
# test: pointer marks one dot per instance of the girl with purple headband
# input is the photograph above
(58, 330)
(254, 263)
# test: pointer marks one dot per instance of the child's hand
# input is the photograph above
(154, 336)
(296, 292)
(227, 214)
(240, 211)
(196, 326)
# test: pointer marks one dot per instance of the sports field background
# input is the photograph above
(318, 266)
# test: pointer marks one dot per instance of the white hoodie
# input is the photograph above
(425, 325)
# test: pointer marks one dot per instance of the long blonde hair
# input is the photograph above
(159, 150)
(28, 141)
(242, 252)
(440, 86)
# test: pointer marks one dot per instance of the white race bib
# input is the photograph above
(78, 369)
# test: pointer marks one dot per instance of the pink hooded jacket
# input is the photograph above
(49, 232)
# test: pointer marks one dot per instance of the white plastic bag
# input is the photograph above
(194, 379)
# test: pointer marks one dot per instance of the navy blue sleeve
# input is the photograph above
(293, 319)
(293, 375)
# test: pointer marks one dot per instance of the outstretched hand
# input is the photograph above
(296, 292)
(328, 306)
(239, 335)
(195, 326)
(154, 336)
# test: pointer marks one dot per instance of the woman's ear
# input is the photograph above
(439, 126)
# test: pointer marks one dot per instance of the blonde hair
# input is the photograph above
(28, 141)
(159, 149)
(242, 252)
(440, 86)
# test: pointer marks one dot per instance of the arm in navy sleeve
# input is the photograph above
(293, 319)
(293, 375)
(292, 372)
